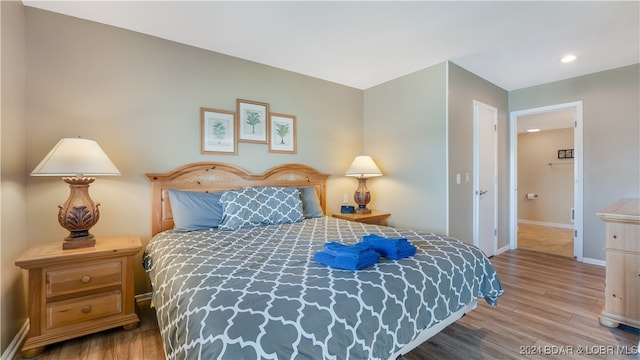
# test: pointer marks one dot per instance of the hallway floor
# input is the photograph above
(546, 239)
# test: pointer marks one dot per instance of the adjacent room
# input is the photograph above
(231, 179)
(546, 175)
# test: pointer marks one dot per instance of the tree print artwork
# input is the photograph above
(253, 119)
(282, 130)
(219, 131)
(283, 134)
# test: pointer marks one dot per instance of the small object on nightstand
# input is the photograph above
(80, 291)
(347, 209)
(374, 217)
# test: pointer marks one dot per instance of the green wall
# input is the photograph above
(13, 211)
(405, 133)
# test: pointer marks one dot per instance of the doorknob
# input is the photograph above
(482, 192)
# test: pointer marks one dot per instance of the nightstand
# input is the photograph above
(79, 291)
(374, 218)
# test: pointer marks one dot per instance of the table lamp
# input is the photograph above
(77, 160)
(363, 167)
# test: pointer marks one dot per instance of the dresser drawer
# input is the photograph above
(623, 237)
(69, 312)
(83, 278)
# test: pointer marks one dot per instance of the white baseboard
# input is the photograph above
(594, 261)
(543, 223)
(14, 346)
(143, 297)
(502, 249)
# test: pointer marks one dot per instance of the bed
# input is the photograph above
(253, 290)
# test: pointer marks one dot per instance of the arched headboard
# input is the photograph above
(212, 176)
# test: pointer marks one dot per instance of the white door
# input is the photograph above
(485, 181)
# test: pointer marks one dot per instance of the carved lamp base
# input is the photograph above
(78, 214)
(362, 196)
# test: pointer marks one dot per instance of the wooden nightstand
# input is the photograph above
(79, 291)
(375, 218)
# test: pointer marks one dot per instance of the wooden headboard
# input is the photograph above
(211, 176)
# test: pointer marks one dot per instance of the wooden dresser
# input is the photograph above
(79, 291)
(622, 288)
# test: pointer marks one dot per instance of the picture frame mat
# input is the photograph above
(282, 134)
(218, 130)
(253, 121)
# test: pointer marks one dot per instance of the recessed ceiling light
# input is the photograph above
(568, 58)
(533, 130)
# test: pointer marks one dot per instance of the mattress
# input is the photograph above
(257, 293)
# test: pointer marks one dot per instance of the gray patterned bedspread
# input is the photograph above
(257, 293)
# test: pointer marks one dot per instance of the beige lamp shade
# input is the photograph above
(363, 166)
(76, 157)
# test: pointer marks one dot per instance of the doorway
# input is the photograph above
(546, 179)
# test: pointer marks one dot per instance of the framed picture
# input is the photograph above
(565, 154)
(253, 121)
(282, 134)
(219, 132)
(569, 153)
(562, 154)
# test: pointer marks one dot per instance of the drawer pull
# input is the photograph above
(85, 279)
(86, 309)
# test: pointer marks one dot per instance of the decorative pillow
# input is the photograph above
(310, 203)
(260, 206)
(194, 210)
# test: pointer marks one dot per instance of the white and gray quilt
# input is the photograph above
(256, 293)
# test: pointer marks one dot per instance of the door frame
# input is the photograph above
(578, 247)
(476, 178)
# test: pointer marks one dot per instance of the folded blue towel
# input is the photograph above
(391, 248)
(338, 249)
(347, 257)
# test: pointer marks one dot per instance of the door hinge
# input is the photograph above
(575, 123)
(575, 233)
(495, 127)
(495, 232)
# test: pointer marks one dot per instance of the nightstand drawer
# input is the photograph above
(72, 280)
(68, 312)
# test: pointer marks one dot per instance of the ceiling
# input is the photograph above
(362, 44)
(546, 120)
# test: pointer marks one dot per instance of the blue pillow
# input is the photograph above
(310, 203)
(193, 210)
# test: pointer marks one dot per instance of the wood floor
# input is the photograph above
(547, 239)
(549, 310)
